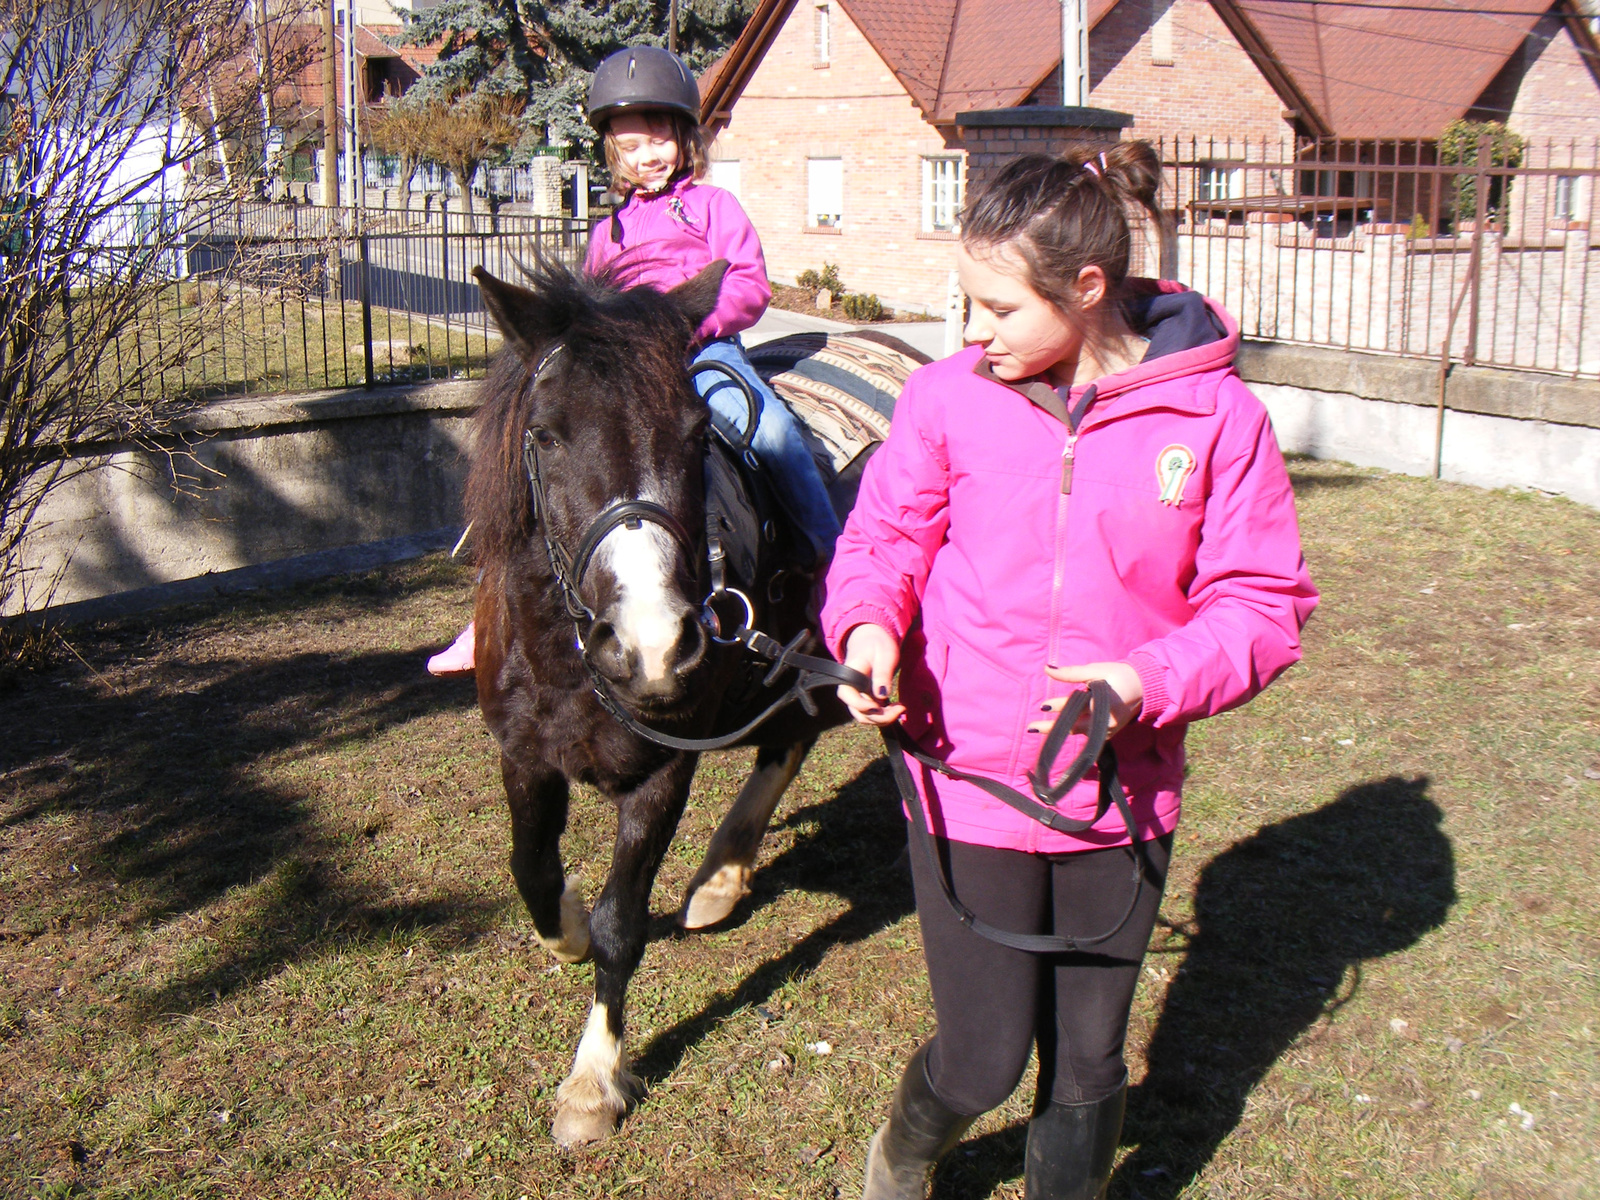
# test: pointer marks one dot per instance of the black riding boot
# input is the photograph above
(919, 1131)
(1071, 1148)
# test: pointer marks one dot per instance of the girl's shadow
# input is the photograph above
(1283, 922)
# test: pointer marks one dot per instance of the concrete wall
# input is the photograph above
(1501, 428)
(252, 482)
(291, 488)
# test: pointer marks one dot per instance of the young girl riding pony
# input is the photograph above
(1086, 492)
(646, 104)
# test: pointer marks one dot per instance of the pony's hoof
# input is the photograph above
(713, 900)
(573, 1128)
(573, 944)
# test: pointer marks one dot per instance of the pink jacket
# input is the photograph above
(993, 543)
(664, 239)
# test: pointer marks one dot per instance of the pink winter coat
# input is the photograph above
(663, 239)
(1170, 542)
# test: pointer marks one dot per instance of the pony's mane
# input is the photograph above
(636, 338)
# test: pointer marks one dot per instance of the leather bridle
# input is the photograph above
(811, 672)
(570, 570)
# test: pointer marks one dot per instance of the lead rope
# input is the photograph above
(1097, 751)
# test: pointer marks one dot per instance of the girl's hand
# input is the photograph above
(875, 652)
(1125, 685)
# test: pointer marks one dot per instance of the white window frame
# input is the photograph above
(825, 192)
(942, 193)
(822, 33)
(1564, 196)
(1219, 183)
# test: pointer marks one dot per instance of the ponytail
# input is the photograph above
(1066, 213)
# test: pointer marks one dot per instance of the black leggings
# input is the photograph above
(994, 1003)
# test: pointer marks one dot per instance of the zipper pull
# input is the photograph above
(1067, 453)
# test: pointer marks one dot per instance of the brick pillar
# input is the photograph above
(994, 135)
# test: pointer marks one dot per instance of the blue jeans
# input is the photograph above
(778, 442)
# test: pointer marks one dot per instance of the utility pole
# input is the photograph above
(1074, 54)
(330, 112)
(352, 140)
(672, 26)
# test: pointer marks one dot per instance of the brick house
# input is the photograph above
(836, 121)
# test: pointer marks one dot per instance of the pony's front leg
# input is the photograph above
(537, 796)
(724, 876)
(591, 1100)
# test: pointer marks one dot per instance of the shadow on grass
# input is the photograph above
(1283, 922)
(164, 814)
(1306, 481)
(852, 852)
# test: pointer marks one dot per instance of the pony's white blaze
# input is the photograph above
(649, 618)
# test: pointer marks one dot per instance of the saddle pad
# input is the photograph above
(842, 386)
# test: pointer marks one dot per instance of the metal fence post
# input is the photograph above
(366, 295)
(1480, 204)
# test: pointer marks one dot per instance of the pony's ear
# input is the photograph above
(698, 296)
(526, 319)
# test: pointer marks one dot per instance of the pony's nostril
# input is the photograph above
(605, 650)
(692, 643)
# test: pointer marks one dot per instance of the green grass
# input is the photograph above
(248, 340)
(258, 937)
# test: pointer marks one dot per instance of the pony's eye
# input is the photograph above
(546, 439)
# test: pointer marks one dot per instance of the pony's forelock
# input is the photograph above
(636, 339)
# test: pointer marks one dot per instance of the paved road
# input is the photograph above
(927, 336)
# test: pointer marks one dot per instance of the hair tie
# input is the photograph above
(1096, 169)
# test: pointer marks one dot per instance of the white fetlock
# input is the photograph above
(713, 900)
(573, 944)
(591, 1100)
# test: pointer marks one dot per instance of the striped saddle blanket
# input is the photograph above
(842, 386)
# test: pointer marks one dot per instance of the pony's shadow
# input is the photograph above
(1284, 920)
(852, 850)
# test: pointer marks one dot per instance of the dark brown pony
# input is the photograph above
(591, 388)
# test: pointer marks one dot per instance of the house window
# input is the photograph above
(941, 193)
(1357, 184)
(1220, 183)
(824, 34)
(1566, 196)
(725, 175)
(825, 192)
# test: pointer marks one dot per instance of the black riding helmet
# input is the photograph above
(642, 77)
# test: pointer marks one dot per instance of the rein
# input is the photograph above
(813, 673)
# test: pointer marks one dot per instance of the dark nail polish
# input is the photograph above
(1044, 708)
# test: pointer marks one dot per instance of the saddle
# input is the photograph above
(843, 390)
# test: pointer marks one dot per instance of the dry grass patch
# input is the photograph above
(258, 936)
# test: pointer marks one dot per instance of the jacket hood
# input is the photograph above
(1189, 335)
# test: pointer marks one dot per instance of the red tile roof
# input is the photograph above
(1382, 69)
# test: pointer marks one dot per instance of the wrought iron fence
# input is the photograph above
(1379, 246)
(294, 298)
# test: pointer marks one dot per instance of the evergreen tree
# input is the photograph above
(543, 52)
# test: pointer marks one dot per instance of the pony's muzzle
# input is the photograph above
(653, 665)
